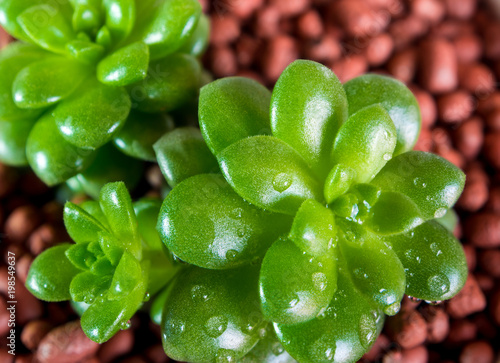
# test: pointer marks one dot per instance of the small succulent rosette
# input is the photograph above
(116, 262)
(86, 72)
(321, 219)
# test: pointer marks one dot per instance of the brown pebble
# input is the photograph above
(223, 62)
(117, 346)
(492, 41)
(463, 9)
(241, 8)
(310, 25)
(252, 75)
(22, 267)
(452, 155)
(476, 78)
(468, 301)
(461, 331)
(30, 309)
(470, 256)
(490, 262)
(42, 238)
(493, 204)
(156, 354)
(379, 50)
(408, 329)
(5, 357)
(494, 305)
(492, 148)
(469, 137)
(134, 359)
(66, 344)
(403, 65)
(21, 222)
(431, 11)
(415, 355)
(438, 66)
(290, 7)
(406, 30)
(267, 22)
(424, 142)
(281, 51)
(493, 120)
(246, 50)
(485, 282)
(455, 107)
(485, 326)
(477, 352)
(5, 38)
(350, 67)
(452, 28)
(428, 108)
(438, 324)
(469, 48)
(25, 358)
(33, 333)
(488, 103)
(224, 30)
(8, 179)
(4, 317)
(357, 19)
(483, 229)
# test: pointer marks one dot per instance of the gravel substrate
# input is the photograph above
(447, 51)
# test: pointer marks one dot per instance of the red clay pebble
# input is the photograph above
(291, 7)
(379, 50)
(483, 230)
(119, 345)
(381, 345)
(431, 11)
(463, 9)
(492, 41)
(437, 323)
(29, 308)
(357, 19)
(485, 282)
(415, 355)
(469, 48)
(66, 344)
(4, 317)
(470, 256)
(438, 66)
(485, 326)
(22, 267)
(225, 29)
(408, 329)
(241, 8)
(8, 179)
(223, 62)
(310, 25)
(493, 120)
(468, 301)
(34, 332)
(281, 51)
(424, 142)
(428, 108)
(492, 148)
(476, 78)
(156, 354)
(42, 238)
(327, 50)
(350, 67)
(488, 103)
(493, 204)
(477, 352)
(460, 332)
(21, 222)
(267, 22)
(403, 65)
(469, 138)
(406, 30)
(455, 107)
(495, 306)
(5, 357)
(490, 262)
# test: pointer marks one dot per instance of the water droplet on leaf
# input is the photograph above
(225, 356)
(440, 212)
(387, 157)
(367, 330)
(277, 348)
(215, 326)
(320, 281)
(200, 293)
(439, 284)
(392, 309)
(231, 255)
(282, 182)
(124, 325)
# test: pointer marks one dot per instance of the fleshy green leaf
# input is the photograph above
(232, 109)
(128, 274)
(338, 182)
(105, 317)
(47, 26)
(87, 17)
(147, 211)
(374, 268)
(431, 182)
(171, 82)
(395, 97)
(48, 280)
(313, 228)
(267, 172)
(161, 271)
(228, 231)
(109, 165)
(182, 153)
(307, 108)
(342, 333)
(94, 209)
(125, 66)
(167, 25)
(268, 350)
(80, 225)
(198, 42)
(295, 286)
(102, 266)
(365, 142)
(45, 83)
(85, 51)
(80, 256)
(103, 37)
(212, 315)
(449, 220)
(51, 157)
(87, 287)
(433, 259)
(13, 138)
(140, 132)
(111, 247)
(117, 206)
(156, 310)
(120, 18)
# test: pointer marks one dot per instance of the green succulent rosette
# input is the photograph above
(320, 215)
(116, 262)
(88, 72)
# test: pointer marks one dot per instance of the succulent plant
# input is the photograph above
(87, 72)
(320, 220)
(116, 262)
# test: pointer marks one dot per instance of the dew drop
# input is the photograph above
(387, 157)
(293, 303)
(147, 296)
(392, 309)
(231, 255)
(440, 212)
(255, 261)
(439, 284)
(277, 348)
(418, 182)
(321, 314)
(320, 281)
(434, 303)
(177, 327)
(262, 333)
(236, 213)
(241, 232)
(414, 299)
(225, 356)
(200, 293)
(124, 325)
(323, 349)
(215, 326)
(367, 330)
(282, 182)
